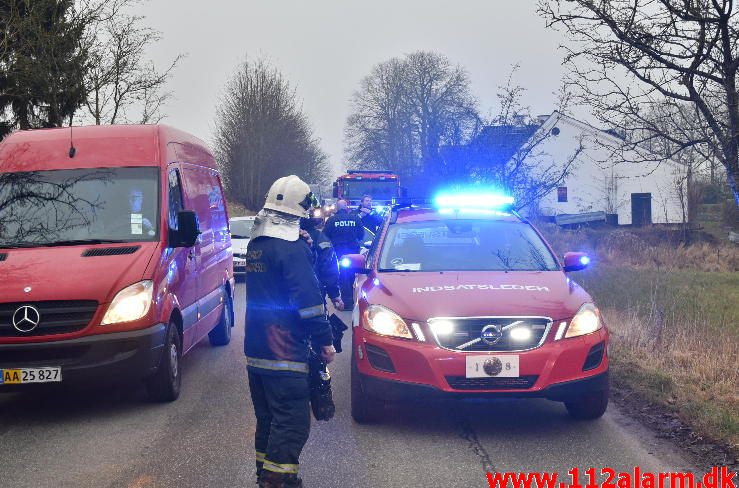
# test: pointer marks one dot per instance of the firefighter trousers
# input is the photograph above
(282, 407)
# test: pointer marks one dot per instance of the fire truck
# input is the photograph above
(383, 186)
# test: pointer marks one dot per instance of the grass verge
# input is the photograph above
(673, 313)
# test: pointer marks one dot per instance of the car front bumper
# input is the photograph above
(401, 369)
(108, 358)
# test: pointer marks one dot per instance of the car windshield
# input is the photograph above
(379, 190)
(241, 229)
(79, 206)
(465, 245)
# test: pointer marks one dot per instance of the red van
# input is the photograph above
(465, 298)
(115, 256)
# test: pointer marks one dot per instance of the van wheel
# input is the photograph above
(365, 409)
(165, 384)
(590, 406)
(221, 333)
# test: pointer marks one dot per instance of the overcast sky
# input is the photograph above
(325, 47)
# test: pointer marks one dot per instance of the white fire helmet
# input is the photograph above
(289, 195)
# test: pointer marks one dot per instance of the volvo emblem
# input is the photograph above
(491, 334)
(492, 366)
(26, 319)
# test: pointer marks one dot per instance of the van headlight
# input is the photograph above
(386, 322)
(586, 321)
(131, 303)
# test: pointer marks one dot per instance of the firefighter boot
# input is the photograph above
(269, 479)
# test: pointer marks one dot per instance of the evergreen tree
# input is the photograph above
(42, 63)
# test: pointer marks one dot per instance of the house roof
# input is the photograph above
(504, 140)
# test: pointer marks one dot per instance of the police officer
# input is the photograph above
(367, 214)
(346, 232)
(284, 313)
(326, 264)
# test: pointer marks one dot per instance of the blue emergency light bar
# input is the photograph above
(460, 201)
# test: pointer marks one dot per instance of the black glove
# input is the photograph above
(321, 397)
(337, 328)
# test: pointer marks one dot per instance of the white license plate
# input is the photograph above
(493, 366)
(21, 376)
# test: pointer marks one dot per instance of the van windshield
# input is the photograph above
(79, 206)
(465, 245)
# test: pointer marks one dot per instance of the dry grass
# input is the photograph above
(238, 210)
(682, 364)
(673, 311)
(644, 249)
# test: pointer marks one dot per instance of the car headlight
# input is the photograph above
(586, 321)
(131, 303)
(386, 322)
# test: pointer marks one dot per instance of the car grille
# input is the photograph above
(56, 317)
(520, 383)
(466, 334)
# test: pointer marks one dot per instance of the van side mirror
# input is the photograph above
(188, 230)
(575, 261)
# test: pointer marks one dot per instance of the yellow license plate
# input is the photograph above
(30, 375)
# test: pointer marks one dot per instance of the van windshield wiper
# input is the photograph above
(395, 270)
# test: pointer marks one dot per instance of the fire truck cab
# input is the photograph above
(383, 186)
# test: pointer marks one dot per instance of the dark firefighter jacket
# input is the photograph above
(284, 307)
(345, 231)
(371, 220)
(326, 263)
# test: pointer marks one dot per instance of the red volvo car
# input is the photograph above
(465, 298)
(115, 256)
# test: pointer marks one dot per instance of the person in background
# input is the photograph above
(346, 233)
(367, 214)
(326, 264)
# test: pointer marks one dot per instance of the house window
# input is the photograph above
(562, 194)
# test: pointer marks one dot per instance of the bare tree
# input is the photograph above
(123, 85)
(262, 134)
(510, 152)
(628, 57)
(406, 109)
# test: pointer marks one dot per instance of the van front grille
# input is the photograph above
(54, 317)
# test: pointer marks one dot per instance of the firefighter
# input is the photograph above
(326, 264)
(284, 313)
(346, 232)
(367, 214)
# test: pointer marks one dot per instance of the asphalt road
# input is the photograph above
(115, 438)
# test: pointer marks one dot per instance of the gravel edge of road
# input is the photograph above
(665, 424)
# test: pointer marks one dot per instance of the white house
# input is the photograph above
(639, 192)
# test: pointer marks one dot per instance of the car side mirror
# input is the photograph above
(188, 230)
(354, 262)
(575, 261)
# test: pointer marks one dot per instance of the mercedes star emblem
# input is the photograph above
(26, 318)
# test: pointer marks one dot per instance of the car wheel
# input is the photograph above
(590, 406)
(165, 384)
(365, 409)
(221, 333)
